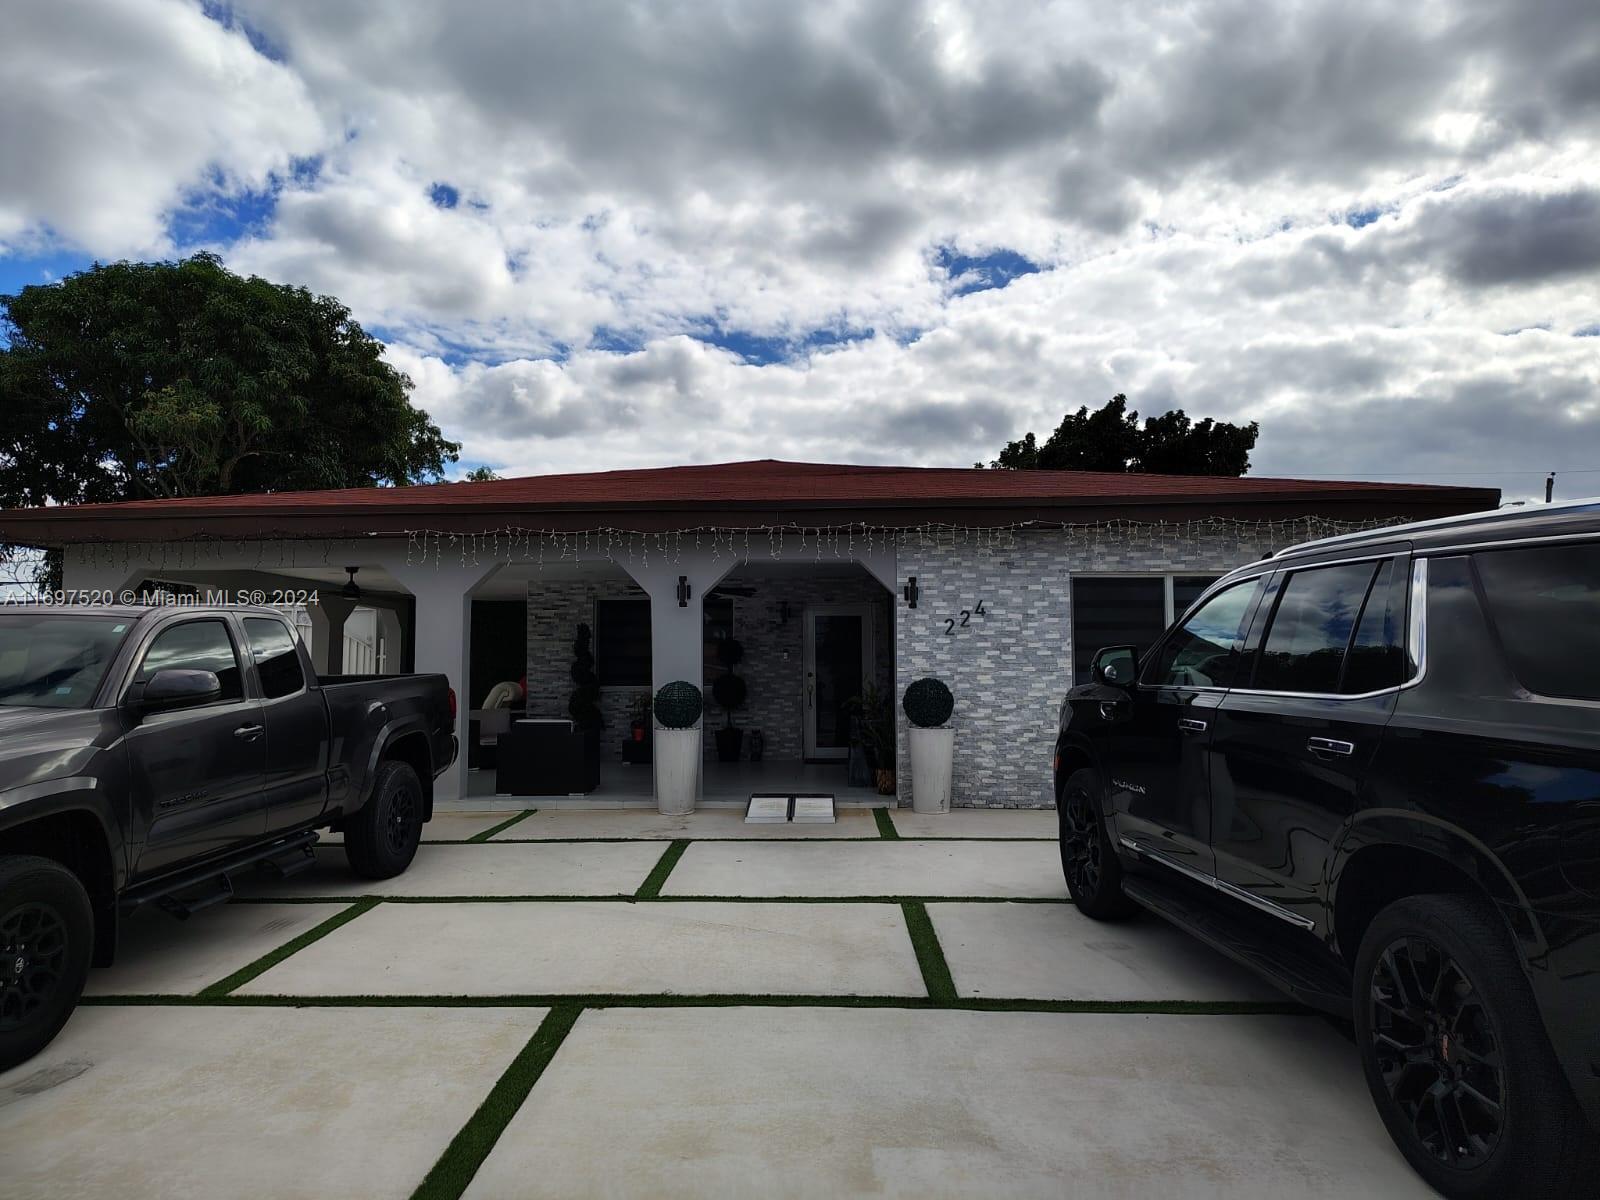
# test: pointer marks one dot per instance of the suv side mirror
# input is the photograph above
(176, 687)
(1115, 666)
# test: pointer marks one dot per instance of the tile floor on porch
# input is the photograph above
(623, 785)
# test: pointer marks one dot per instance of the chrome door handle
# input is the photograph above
(249, 732)
(1108, 710)
(1326, 746)
(1191, 725)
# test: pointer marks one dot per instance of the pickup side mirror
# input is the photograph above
(1115, 666)
(175, 687)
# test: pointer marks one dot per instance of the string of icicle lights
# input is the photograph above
(789, 542)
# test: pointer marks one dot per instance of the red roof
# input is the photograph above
(766, 485)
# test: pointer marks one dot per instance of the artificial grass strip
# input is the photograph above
(1197, 1008)
(930, 955)
(639, 896)
(886, 829)
(271, 959)
(650, 889)
(489, 833)
(472, 1144)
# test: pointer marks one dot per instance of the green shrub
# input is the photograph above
(678, 705)
(928, 703)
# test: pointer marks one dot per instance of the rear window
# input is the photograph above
(1545, 601)
(1317, 611)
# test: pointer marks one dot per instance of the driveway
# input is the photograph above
(616, 1004)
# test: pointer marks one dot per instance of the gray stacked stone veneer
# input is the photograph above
(555, 610)
(1010, 668)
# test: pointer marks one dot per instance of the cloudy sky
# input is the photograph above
(605, 234)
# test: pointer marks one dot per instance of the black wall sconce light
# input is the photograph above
(910, 592)
(683, 591)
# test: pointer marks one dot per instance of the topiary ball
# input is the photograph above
(678, 705)
(730, 653)
(928, 703)
(729, 691)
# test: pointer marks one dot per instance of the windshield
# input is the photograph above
(55, 660)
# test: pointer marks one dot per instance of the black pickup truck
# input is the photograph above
(149, 754)
(1369, 769)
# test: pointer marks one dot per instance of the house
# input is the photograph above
(1001, 583)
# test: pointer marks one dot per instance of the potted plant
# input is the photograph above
(677, 739)
(584, 706)
(729, 691)
(928, 705)
(874, 729)
(639, 714)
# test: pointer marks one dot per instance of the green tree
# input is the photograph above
(1111, 439)
(480, 475)
(155, 380)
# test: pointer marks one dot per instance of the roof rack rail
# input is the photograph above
(1506, 512)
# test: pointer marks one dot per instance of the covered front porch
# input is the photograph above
(723, 785)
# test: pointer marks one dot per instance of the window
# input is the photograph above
(622, 642)
(1317, 611)
(1200, 653)
(1377, 657)
(1545, 601)
(51, 661)
(277, 661)
(1127, 610)
(195, 646)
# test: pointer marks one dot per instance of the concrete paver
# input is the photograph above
(883, 868)
(1054, 952)
(703, 823)
(447, 826)
(488, 869)
(158, 955)
(977, 823)
(578, 947)
(804, 1102)
(281, 1102)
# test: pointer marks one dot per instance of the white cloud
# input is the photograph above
(111, 112)
(643, 174)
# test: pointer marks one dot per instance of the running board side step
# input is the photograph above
(190, 891)
(1300, 973)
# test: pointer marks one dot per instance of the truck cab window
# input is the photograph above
(277, 660)
(195, 646)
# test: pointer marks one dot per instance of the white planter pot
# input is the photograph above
(932, 752)
(677, 755)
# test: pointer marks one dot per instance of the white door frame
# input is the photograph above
(808, 706)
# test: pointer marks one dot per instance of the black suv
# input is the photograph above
(1368, 768)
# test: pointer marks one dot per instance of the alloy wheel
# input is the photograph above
(33, 954)
(1438, 1052)
(404, 813)
(1080, 841)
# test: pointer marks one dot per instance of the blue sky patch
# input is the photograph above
(765, 349)
(1360, 218)
(222, 13)
(1588, 331)
(982, 272)
(443, 195)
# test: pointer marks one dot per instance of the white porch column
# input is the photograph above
(327, 632)
(443, 597)
(677, 630)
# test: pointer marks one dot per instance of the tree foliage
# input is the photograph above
(1111, 439)
(155, 380)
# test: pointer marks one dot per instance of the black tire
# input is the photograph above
(381, 840)
(1457, 1059)
(1088, 859)
(46, 941)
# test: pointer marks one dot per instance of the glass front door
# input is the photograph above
(839, 655)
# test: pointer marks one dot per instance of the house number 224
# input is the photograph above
(951, 624)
